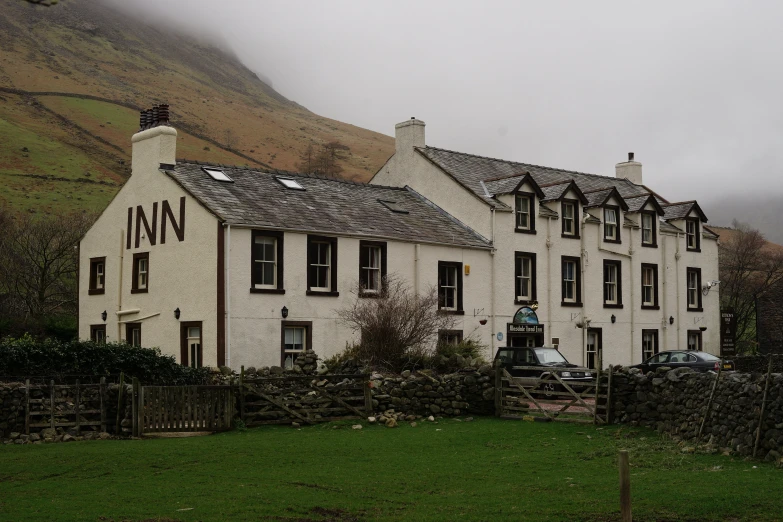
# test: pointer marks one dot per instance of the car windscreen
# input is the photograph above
(549, 355)
(708, 357)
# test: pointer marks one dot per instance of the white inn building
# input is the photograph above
(234, 266)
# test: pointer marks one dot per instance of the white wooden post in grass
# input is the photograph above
(625, 487)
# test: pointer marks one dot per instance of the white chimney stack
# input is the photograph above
(630, 170)
(155, 142)
(409, 134)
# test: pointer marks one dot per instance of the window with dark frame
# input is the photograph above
(98, 333)
(525, 215)
(524, 277)
(449, 337)
(133, 334)
(140, 276)
(571, 288)
(296, 338)
(692, 234)
(694, 340)
(322, 266)
(569, 213)
(613, 289)
(97, 276)
(266, 271)
(191, 344)
(649, 286)
(693, 279)
(612, 224)
(372, 267)
(450, 286)
(649, 231)
(649, 343)
(593, 348)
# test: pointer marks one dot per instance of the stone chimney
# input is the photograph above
(631, 170)
(409, 134)
(155, 142)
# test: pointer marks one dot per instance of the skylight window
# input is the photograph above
(217, 174)
(290, 183)
(393, 206)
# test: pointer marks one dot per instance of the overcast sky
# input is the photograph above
(693, 88)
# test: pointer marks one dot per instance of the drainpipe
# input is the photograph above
(416, 253)
(663, 300)
(227, 255)
(677, 256)
(492, 284)
(583, 256)
(549, 279)
(119, 283)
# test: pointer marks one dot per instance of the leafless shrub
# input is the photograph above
(395, 323)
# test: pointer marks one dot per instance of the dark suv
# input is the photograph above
(513, 358)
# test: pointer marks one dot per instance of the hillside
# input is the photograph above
(72, 78)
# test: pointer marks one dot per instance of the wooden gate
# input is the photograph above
(76, 406)
(307, 399)
(184, 408)
(551, 397)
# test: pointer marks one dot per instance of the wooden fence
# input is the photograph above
(307, 399)
(551, 397)
(65, 405)
(182, 408)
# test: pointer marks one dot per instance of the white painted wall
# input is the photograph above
(256, 320)
(181, 274)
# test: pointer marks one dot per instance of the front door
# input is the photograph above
(594, 351)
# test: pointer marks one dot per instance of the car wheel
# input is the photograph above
(549, 388)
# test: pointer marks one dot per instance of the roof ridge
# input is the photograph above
(309, 175)
(528, 164)
(599, 190)
(499, 178)
(679, 203)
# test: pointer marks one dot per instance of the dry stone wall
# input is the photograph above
(675, 402)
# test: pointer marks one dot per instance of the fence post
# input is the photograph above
(708, 413)
(27, 407)
(51, 403)
(498, 390)
(242, 394)
(103, 403)
(609, 406)
(76, 409)
(120, 396)
(625, 487)
(367, 397)
(763, 404)
(135, 406)
(596, 418)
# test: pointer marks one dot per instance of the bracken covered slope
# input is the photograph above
(72, 77)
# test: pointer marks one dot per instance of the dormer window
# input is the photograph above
(290, 183)
(692, 234)
(611, 228)
(569, 210)
(525, 218)
(217, 174)
(649, 233)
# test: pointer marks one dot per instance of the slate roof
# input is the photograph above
(501, 176)
(681, 210)
(597, 198)
(555, 192)
(329, 206)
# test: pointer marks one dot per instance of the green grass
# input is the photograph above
(487, 469)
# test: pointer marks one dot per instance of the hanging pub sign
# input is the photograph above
(525, 321)
(728, 332)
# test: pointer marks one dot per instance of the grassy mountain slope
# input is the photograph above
(60, 152)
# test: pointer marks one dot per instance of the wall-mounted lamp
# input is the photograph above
(176, 314)
(104, 315)
(482, 322)
(284, 312)
(614, 319)
(671, 319)
(703, 328)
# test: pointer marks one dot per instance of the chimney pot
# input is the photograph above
(630, 156)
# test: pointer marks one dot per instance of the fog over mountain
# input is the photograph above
(691, 88)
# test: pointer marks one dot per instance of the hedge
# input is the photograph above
(27, 357)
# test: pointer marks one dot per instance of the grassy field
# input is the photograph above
(487, 469)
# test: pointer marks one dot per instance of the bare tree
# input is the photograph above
(38, 263)
(323, 160)
(307, 160)
(749, 268)
(394, 322)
